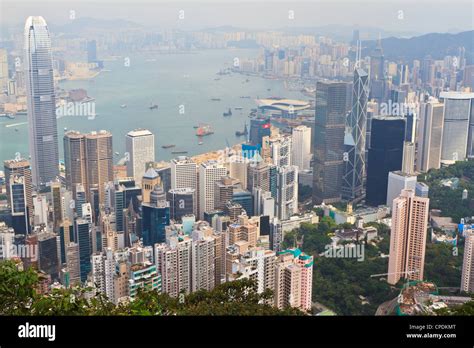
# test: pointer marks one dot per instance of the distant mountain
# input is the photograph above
(436, 45)
(82, 25)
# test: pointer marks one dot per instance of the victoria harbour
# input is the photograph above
(154, 79)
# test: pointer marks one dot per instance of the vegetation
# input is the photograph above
(18, 296)
(345, 285)
(464, 309)
(448, 200)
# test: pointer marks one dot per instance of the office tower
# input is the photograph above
(173, 262)
(238, 170)
(458, 127)
(88, 160)
(149, 180)
(293, 280)
(353, 182)
(377, 74)
(202, 261)
(258, 177)
(18, 209)
(410, 130)
(430, 135)
(81, 198)
(408, 160)
(66, 235)
(257, 264)
(286, 202)
(209, 173)
(20, 168)
(264, 203)
(75, 159)
(183, 173)
(223, 191)
(48, 258)
(91, 51)
(468, 77)
(181, 203)
(397, 182)
(156, 216)
(331, 108)
(163, 169)
(281, 149)
(99, 161)
(103, 272)
(301, 143)
(385, 155)
(408, 237)
(259, 128)
(73, 263)
(245, 199)
(140, 146)
(467, 274)
(3, 69)
(57, 204)
(233, 210)
(83, 239)
(42, 131)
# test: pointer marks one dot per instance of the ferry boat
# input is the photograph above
(168, 146)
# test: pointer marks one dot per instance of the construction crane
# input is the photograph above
(404, 272)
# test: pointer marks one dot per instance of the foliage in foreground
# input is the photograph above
(18, 296)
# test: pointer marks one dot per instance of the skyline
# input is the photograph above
(177, 171)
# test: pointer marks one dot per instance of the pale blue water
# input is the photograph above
(170, 81)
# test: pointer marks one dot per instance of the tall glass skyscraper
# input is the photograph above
(43, 132)
(332, 105)
(353, 182)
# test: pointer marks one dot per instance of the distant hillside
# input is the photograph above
(437, 45)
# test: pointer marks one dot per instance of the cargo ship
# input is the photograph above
(168, 146)
(215, 99)
(204, 130)
(179, 152)
(228, 113)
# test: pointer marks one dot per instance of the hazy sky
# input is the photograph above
(419, 16)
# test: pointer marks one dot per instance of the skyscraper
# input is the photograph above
(75, 159)
(184, 175)
(293, 280)
(182, 202)
(43, 133)
(99, 161)
(301, 145)
(385, 155)
(331, 107)
(408, 237)
(20, 167)
(3, 69)
(458, 128)
(259, 127)
(209, 173)
(430, 135)
(286, 202)
(140, 145)
(88, 160)
(467, 275)
(353, 183)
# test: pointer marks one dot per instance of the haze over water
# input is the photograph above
(169, 80)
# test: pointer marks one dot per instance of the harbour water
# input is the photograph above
(182, 85)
